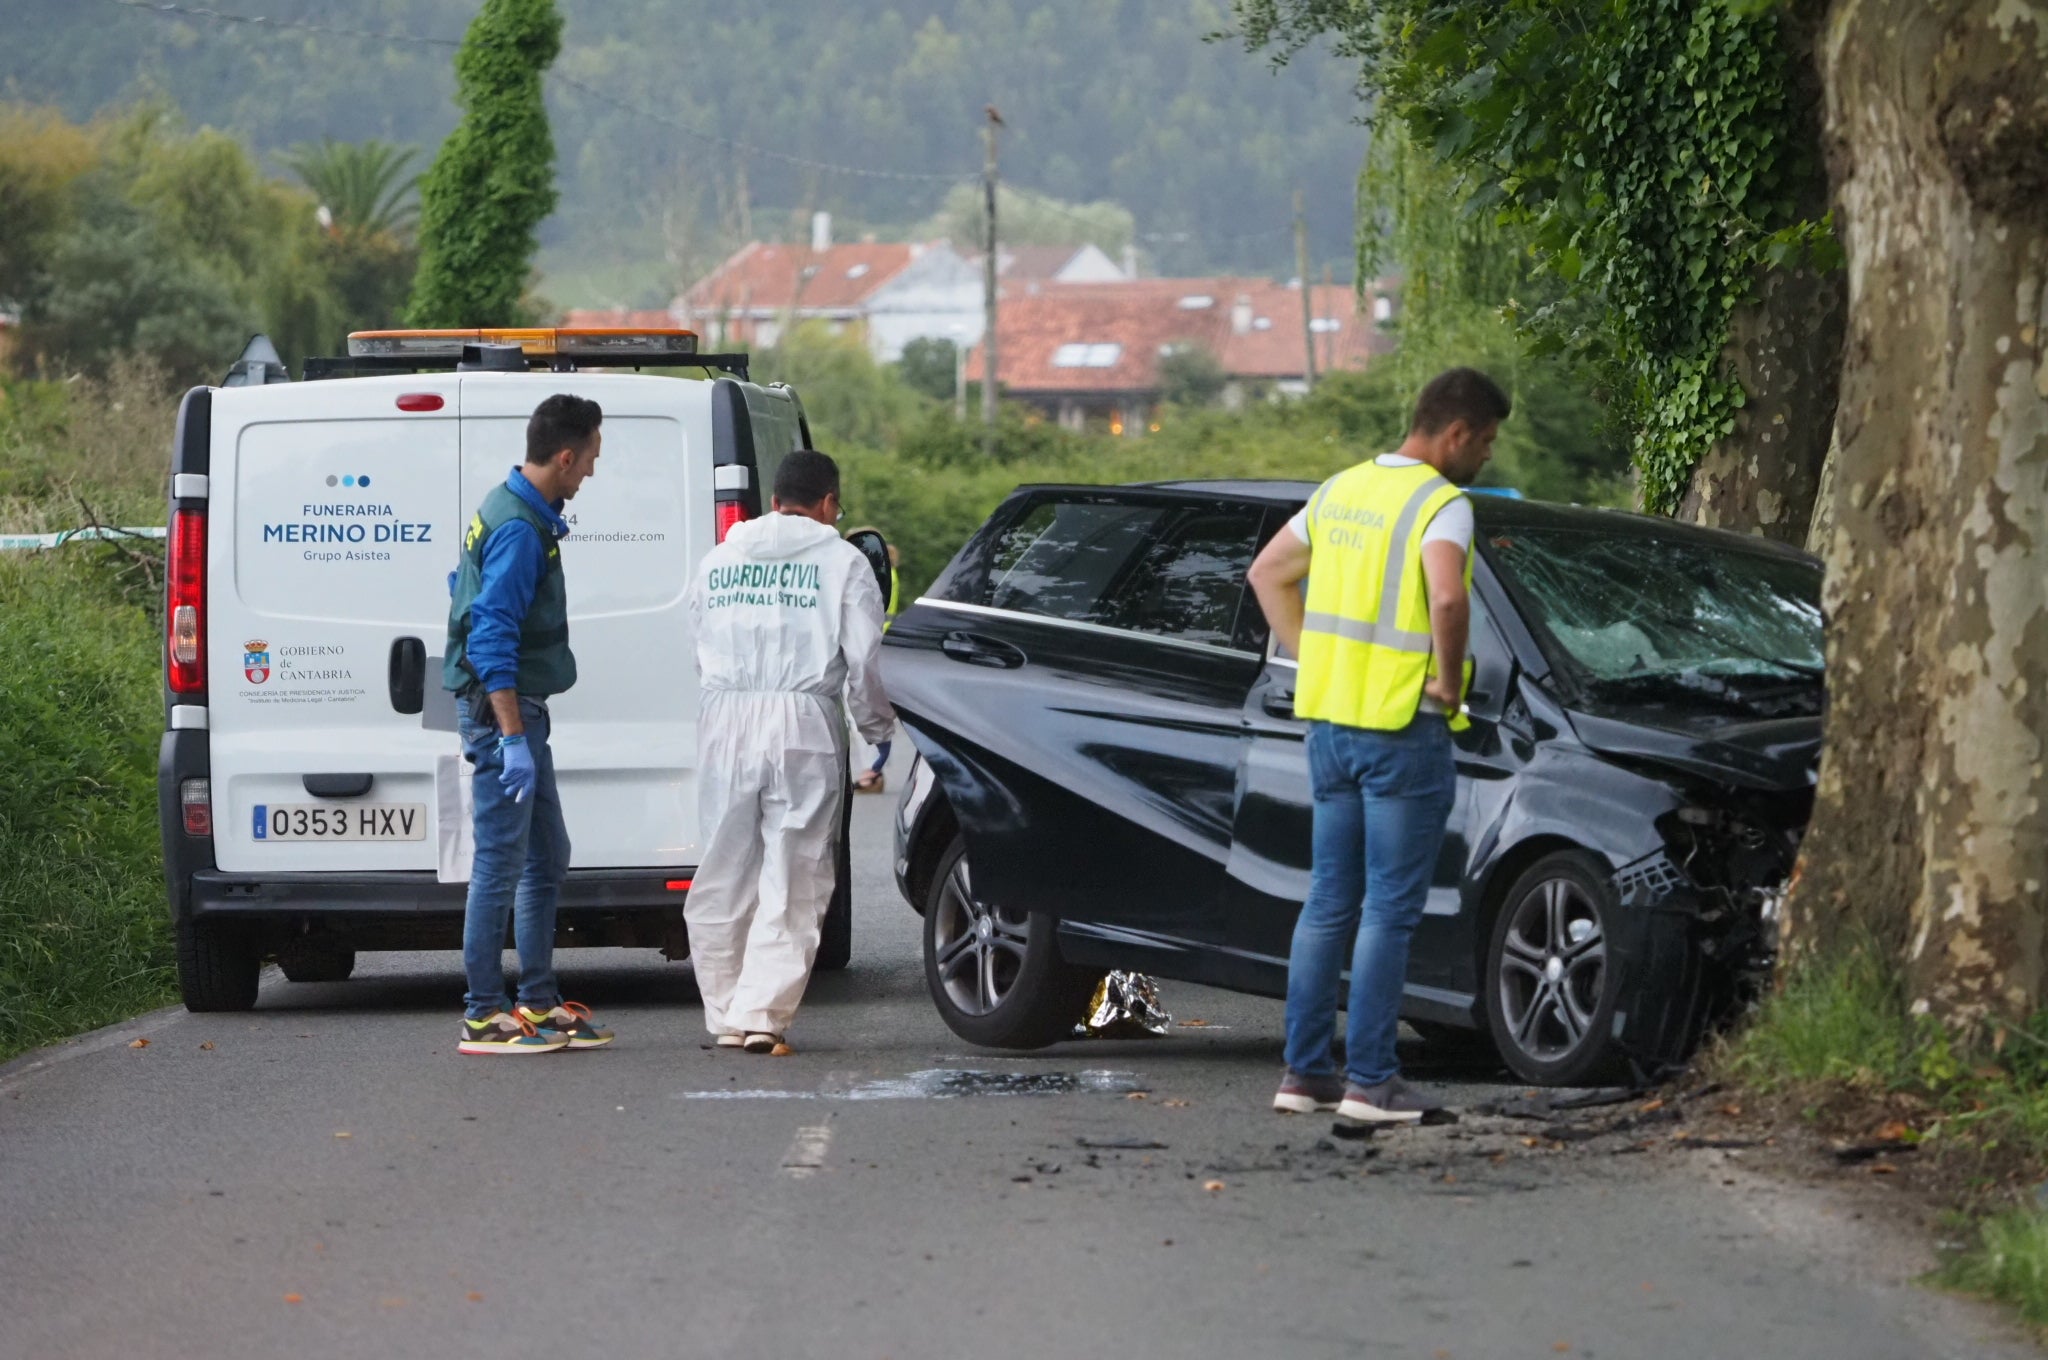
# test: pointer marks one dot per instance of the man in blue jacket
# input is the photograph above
(508, 653)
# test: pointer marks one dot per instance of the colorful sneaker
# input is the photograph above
(1306, 1095)
(570, 1021)
(1391, 1102)
(759, 1042)
(502, 1033)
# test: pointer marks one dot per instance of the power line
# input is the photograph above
(280, 25)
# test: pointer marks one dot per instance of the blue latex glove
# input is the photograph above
(517, 773)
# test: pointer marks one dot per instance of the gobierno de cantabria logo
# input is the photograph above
(256, 661)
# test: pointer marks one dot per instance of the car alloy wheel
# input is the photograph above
(1550, 979)
(995, 974)
(1553, 968)
(980, 950)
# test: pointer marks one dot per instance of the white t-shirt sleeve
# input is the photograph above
(1299, 524)
(1451, 524)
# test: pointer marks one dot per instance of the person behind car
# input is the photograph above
(508, 654)
(871, 779)
(787, 617)
(1380, 633)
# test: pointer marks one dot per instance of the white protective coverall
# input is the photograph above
(787, 618)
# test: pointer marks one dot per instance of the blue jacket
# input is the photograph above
(513, 557)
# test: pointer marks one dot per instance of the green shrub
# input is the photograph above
(84, 935)
(2008, 1262)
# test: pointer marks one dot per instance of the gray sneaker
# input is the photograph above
(1305, 1095)
(1391, 1102)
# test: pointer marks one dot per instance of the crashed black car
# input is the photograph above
(1110, 774)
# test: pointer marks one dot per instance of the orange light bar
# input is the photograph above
(593, 342)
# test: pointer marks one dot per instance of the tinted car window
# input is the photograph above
(1153, 567)
(1190, 582)
(1063, 557)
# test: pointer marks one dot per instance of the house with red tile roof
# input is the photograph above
(1088, 355)
(764, 288)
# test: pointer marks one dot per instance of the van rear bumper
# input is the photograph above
(215, 892)
(632, 908)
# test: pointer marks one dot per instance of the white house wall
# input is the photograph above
(937, 296)
(1091, 265)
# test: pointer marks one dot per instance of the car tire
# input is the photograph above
(1003, 985)
(835, 940)
(1550, 984)
(218, 966)
(302, 963)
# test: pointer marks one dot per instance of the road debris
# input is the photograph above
(1854, 1154)
(1125, 1006)
(1120, 1144)
(1212, 1186)
(206, 1046)
(138, 1043)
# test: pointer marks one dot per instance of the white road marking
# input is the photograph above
(807, 1151)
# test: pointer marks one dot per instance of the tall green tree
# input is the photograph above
(494, 179)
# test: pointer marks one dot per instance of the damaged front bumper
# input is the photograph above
(1688, 956)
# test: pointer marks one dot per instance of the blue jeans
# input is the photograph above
(1381, 801)
(522, 856)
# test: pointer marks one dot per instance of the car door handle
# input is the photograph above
(976, 650)
(1279, 703)
(408, 675)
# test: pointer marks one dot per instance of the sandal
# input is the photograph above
(869, 782)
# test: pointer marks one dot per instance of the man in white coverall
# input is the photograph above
(787, 618)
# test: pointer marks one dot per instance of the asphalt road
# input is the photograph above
(326, 1177)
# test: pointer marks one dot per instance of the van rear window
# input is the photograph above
(776, 433)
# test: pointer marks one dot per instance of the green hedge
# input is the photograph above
(84, 933)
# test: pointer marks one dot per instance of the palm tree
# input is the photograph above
(363, 185)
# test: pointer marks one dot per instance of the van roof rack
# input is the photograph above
(556, 349)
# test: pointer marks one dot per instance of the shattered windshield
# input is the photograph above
(1673, 617)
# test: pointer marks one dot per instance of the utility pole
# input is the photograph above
(1308, 309)
(988, 285)
(959, 376)
(1329, 337)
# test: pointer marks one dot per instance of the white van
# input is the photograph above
(309, 778)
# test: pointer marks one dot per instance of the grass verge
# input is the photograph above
(1837, 1043)
(84, 935)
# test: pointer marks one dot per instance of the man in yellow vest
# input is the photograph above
(1386, 548)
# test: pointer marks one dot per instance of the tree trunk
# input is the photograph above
(1785, 348)
(1931, 828)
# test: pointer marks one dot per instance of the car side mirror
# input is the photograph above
(875, 549)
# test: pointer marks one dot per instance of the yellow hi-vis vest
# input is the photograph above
(1366, 647)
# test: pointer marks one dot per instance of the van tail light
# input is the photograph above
(196, 796)
(186, 603)
(729, 514)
